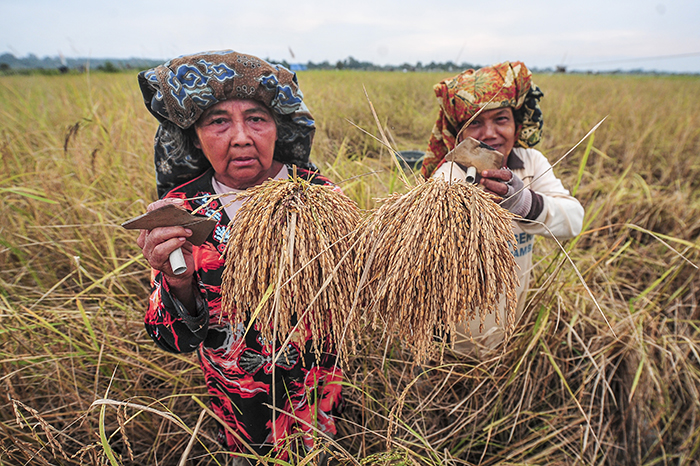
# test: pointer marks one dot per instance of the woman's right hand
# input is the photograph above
(157, 244)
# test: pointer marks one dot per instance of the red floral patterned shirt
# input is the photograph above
(237, 367)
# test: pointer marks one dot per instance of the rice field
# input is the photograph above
(604, 367)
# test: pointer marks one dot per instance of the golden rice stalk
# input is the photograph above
(292, 236)
(436, 256)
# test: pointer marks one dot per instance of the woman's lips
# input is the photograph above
(243, 161)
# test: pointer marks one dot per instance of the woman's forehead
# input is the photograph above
(496, 112)
(242, 105)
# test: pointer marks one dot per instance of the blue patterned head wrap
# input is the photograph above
(178, 92)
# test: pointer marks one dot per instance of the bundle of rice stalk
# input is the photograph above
(436, 256)
(289, 260)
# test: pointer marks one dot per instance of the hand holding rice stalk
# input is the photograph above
(436, 256)
(289, 260)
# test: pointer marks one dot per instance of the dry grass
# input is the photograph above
(75, 161)
(433, 257)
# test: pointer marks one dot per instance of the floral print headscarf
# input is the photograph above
(462, 96)
(178, 92)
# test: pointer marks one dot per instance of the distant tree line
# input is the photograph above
(351, 63)
(9, 64)
(32, 62)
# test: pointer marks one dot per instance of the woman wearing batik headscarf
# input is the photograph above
(228, 122)
(510, 122)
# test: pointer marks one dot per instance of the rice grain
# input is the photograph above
(438, 255)
(294, 236)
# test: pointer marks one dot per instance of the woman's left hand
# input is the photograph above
(495, 181)
(509, 187)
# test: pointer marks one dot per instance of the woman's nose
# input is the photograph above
(489, 130)
(240, 135)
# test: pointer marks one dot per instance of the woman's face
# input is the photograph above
(494, 127)
(238, 138)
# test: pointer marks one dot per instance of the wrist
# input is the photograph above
(183, 289)
(179, 282)
(536, 208)
(523, 204)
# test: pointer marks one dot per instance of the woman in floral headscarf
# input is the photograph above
(230, 121)
(511, 122)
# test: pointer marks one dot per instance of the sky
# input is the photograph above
(600, 35)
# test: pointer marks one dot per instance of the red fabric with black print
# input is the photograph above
(238, 368)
